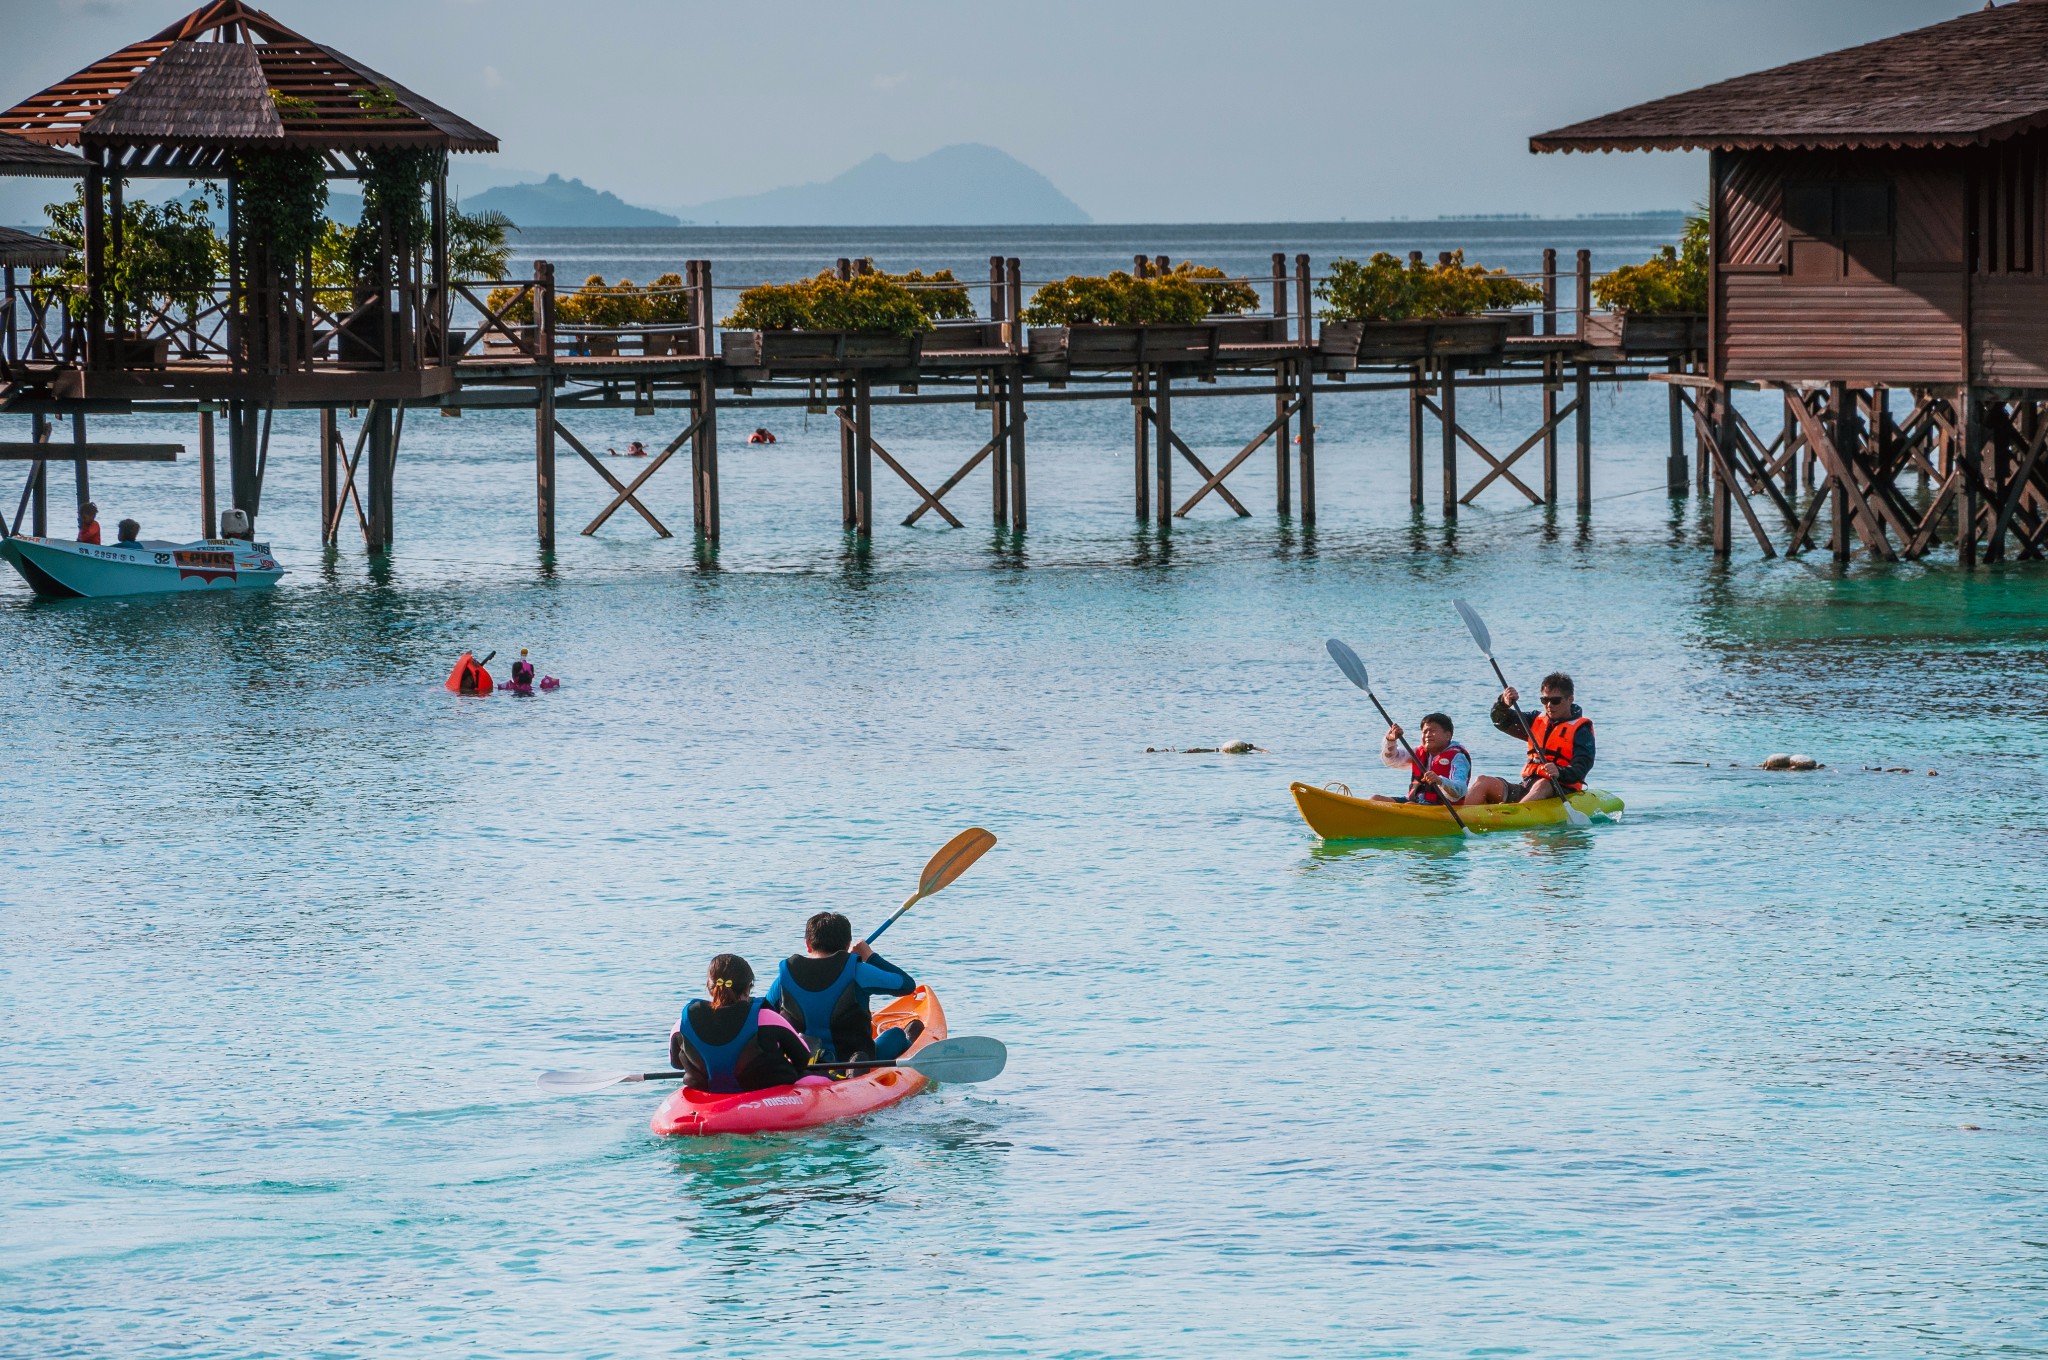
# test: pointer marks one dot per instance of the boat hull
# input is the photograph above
(688, 1113)
(62, 569)
(1341, 817)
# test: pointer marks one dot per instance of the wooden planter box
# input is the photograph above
(1669, 333)
(1125, 346)
(959, 337)
(136, 352)
(1251, 330)
(829, 350)
(1422, 338)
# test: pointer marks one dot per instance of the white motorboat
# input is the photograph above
(63, 567)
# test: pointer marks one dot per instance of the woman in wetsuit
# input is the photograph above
(732, 1042)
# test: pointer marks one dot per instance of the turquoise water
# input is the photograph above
(289, 930)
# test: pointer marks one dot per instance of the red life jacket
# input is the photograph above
(89, 533)
(1437, 764)
(1552, 745)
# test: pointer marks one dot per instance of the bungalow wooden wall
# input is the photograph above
(2007, 215)
(1891, 311)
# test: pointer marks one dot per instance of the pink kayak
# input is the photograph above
(811, 1101)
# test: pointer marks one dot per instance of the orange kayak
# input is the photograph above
(697, 1113)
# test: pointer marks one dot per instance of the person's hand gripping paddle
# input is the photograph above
(1477, 627)
(1354, 671)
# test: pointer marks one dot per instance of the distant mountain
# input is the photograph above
(968, 185)
(558, 202)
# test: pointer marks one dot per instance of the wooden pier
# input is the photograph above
(1830, 317)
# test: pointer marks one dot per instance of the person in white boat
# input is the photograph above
(88, 523)
(130, 532)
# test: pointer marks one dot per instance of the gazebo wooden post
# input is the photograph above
(96, 355)
(39, 499)
(383, 457)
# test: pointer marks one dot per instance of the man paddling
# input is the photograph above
(1560, 741)
(1440, 770)
(825, 990)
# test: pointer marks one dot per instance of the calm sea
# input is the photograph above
(288, 930)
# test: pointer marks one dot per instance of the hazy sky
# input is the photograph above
(1140, 110)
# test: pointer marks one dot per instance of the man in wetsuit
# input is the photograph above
(825, 990)
(1560, 741)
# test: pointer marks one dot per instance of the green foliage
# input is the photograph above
(380, 102)
(867, 302)
(290, 106)
(1183, 296)
(279, 199)
(1674, 280)
(170, 255)
(395, 200)
(478, 244)
(1388, 288)
(937, 303)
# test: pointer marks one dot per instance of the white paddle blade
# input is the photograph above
(1348, 662)
(1574, 817)
(959, 1060)
(563, 1083)
(1476, 625)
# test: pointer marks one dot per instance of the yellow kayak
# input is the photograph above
(1341, 817)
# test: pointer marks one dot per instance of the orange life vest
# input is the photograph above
(89, 533)
(1552, 745)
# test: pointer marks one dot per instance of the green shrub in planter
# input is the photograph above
(1388, 288)
(1183, 296)
(878, 303)
(1674, 280)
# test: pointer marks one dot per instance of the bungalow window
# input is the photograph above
(1838, 230)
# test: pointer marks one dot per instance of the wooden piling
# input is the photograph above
(1020, 506)
(1141, 406)
(1282, 434)
(383, 466)
(1553, 377)
(1582, 418)
(1447, 421)
(863, 460)
(1969, 459)
(39, 496)
(1162, 430)
(330, 471)
(1418, 384)
(1720, 428)
(704, 490)
(1841, 429)
(998, 397)
(1305, 373)
(1675, 469)
(79, 467)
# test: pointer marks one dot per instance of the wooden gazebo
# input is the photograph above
(229, 94)
(1880, 220)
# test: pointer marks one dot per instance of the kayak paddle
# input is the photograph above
(1354, 671)
(966, 1059)
(953, 859)
(1477, 627)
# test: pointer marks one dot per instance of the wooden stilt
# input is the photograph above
(1283, 445)
(1553, 378)
(863, 461)
(849, 500)
(705, 489)
(1141, 416)
(330, 470)
(1999, 458)
(999, 475)
(543, 463)
(1582, 427)
(1447, 420)
(1305, 392)
(39, 499)
(1841, 429)
(1162, 430)
(383, 466)
(1020, 502)
(1418, 381)
(84, 477)
(1716, 426)
(1968, 463)
(1675, 470)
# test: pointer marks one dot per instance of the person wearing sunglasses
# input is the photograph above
(1560, 741)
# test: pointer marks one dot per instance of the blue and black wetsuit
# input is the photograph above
(727, 1048)
(827, 998)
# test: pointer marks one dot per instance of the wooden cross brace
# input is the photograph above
(932, 501)
(1213, 481)
(625, 493)
(925, 498)
(1841, 470)
(1725, 468)
(1501, 465)
(348, 495)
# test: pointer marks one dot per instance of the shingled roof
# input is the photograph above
(20, 156)
(255, 83)
(20, 250)
(1966, 82)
